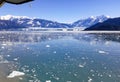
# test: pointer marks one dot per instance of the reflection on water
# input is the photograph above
(63, 57)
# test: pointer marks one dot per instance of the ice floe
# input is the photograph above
(81, 66)
(15, 74)
(4, 44)
(89, 79)
(54, 52)
(8, 55)
(102, 52)
(47, 46)
(110, 75)
(107, 42)
(69, 81)
(15, 59)
(48, 81)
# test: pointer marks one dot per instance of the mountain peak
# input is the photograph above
(103, 16)
(87, 22)
(92, 17)
(10, 17)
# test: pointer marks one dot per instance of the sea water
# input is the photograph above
(62, 57)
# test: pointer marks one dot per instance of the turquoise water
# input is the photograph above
(63, 57)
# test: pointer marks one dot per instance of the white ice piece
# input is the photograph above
(15, 74)
(102, 52)
(48, 80)
(81, 66)
(47, 46)
(89, 79)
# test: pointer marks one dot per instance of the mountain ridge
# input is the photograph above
(25, 22)
(112, 24)
(87, 22)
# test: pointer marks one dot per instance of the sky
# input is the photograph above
(64, 11)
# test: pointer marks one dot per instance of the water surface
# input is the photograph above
(63, 57)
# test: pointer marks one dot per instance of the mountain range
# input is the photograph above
(112, 24)
(16, 22)
(90, 21)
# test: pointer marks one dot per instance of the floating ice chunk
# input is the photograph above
(118, 75)
(15, 74)
(46, 73)
(48, 81)
(110, 75)
(102, 52)
(89, 79)
(81, 65)
(21, 78)
(8, 55)
(4, 44)
(69, 81)
(93, 75)
(57, 78)
(54, 52)
(105, 67)
(75, 74)
(2, 47)
(107, 43)
(91, 70)
(49, 38)
(15, 59)
(83, 58)
(47, 46)
(28, 48)
(31, 81)
(33, 70)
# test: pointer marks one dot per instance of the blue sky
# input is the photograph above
(64, 10)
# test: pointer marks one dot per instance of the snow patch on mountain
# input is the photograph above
(10, 17)
(87, 22)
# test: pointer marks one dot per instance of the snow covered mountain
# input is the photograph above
(90, 21)
(112, 24)
(12, 22)
(25, 21)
